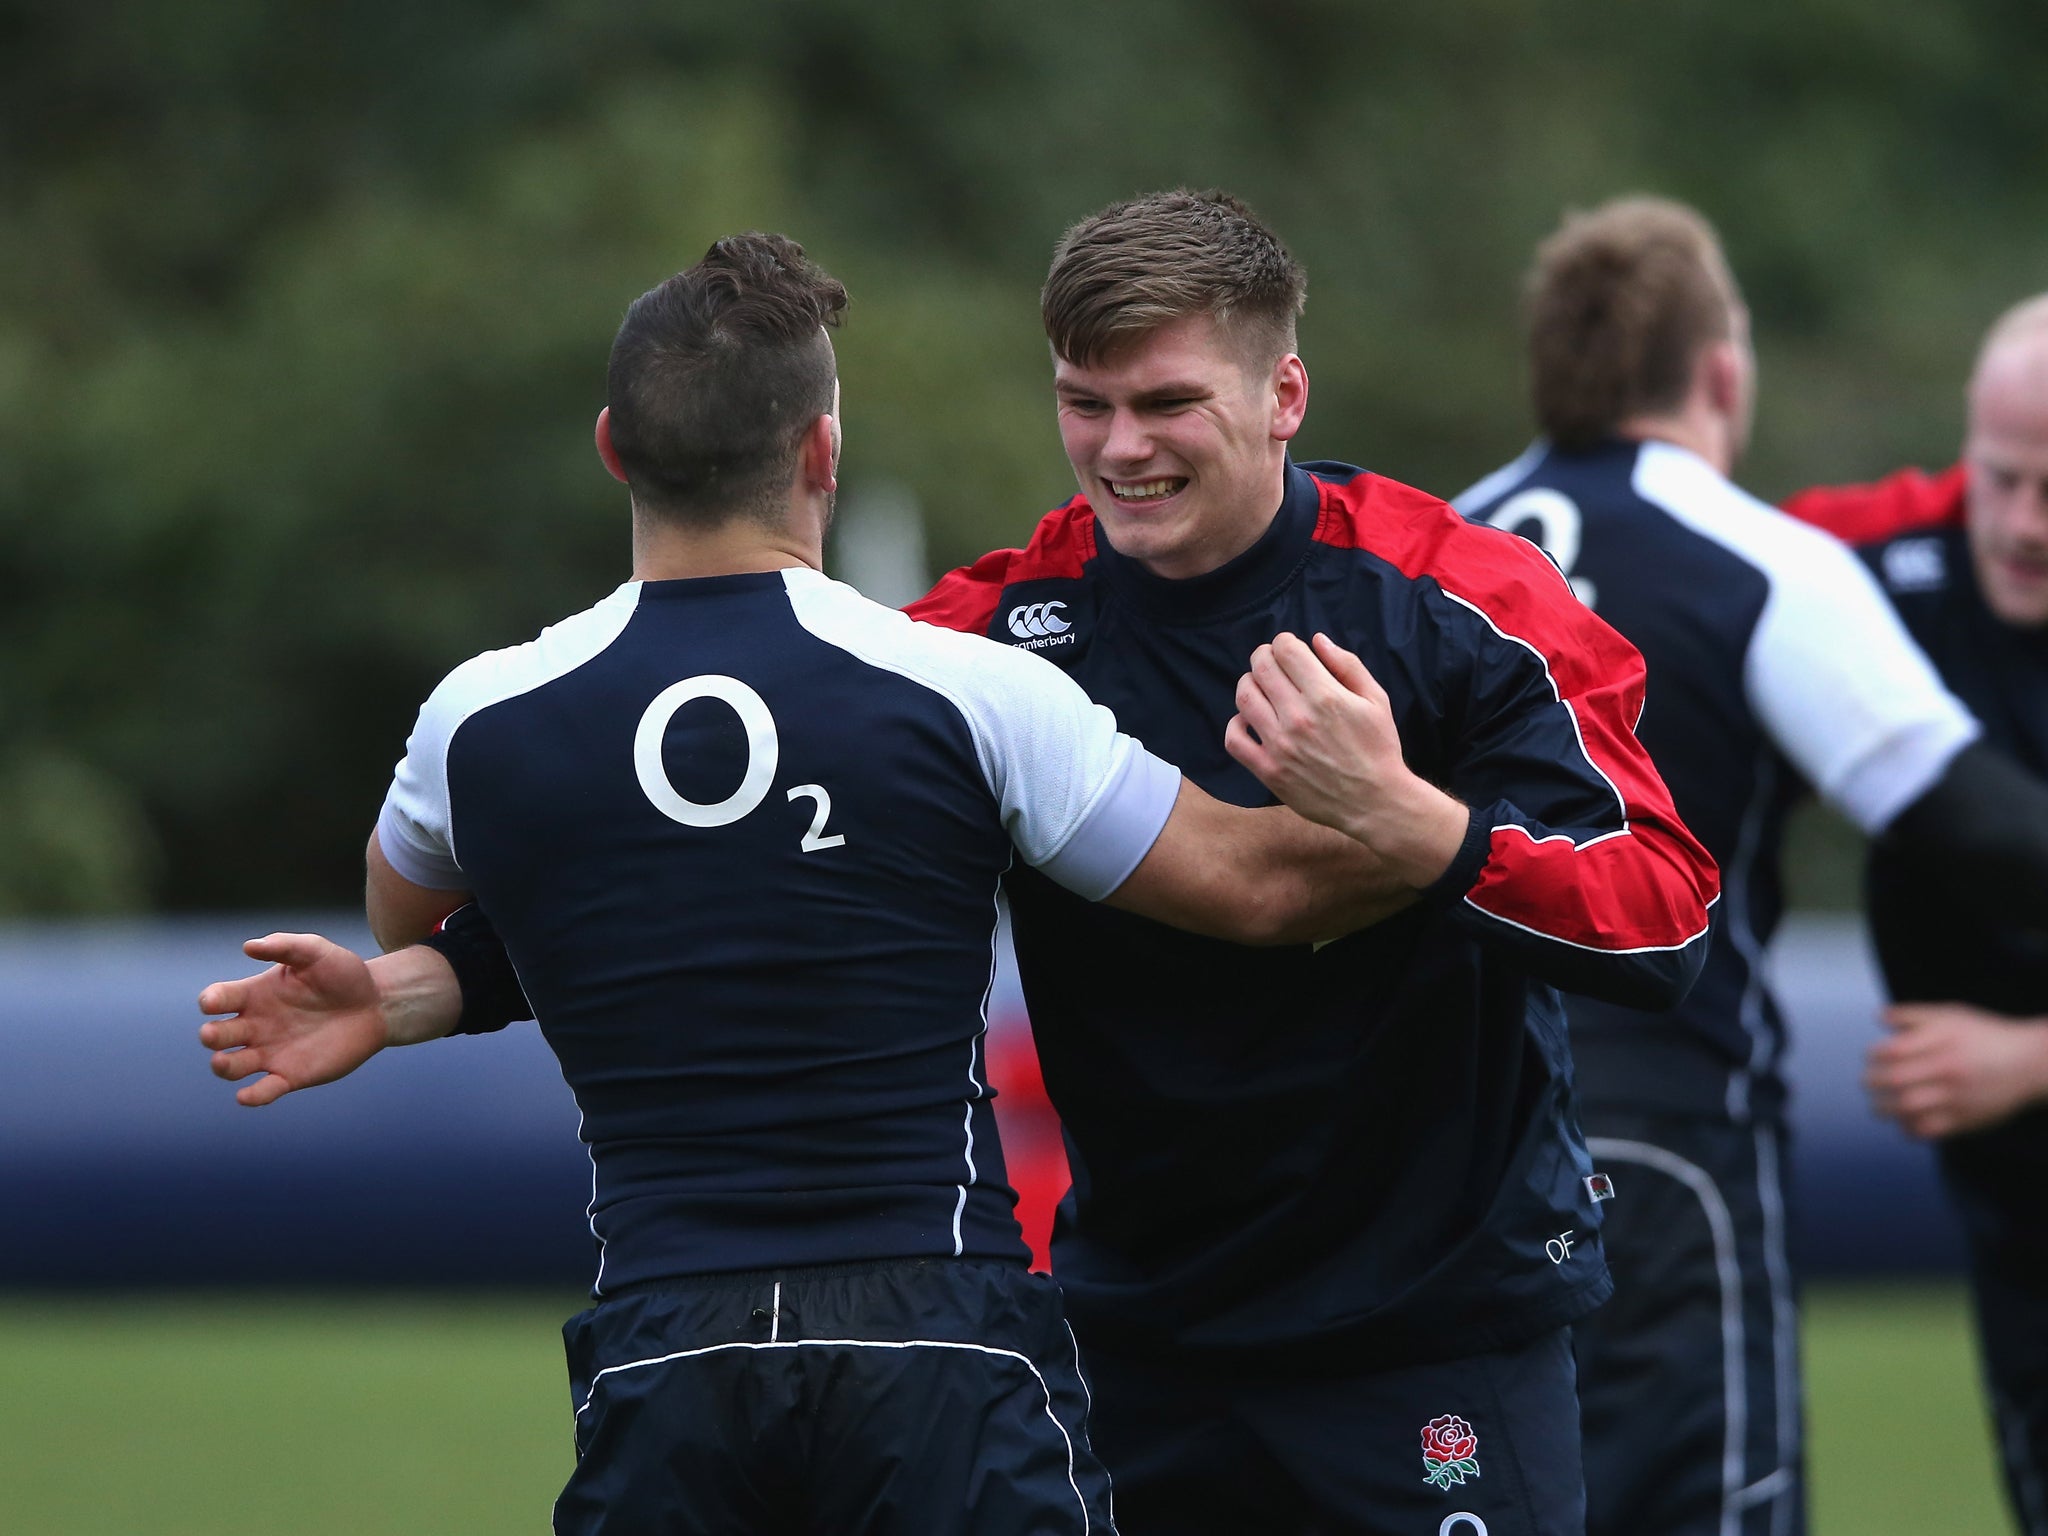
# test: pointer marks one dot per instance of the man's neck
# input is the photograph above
(667, 551)
(1186, 565)
(1695, 431)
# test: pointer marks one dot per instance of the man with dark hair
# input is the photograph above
(1955, 913)
(1775, 667)
(756, 930)
(1331, 1215)
(700, 413)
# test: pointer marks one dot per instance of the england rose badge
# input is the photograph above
(1449, 1451)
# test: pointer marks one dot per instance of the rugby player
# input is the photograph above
(1959, 924)
(741, 832)
(1331, 1214)
(1776, 667)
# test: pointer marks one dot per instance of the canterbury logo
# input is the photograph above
(1041, 619)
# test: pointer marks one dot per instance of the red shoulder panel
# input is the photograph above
(1644, 886)
(966, 598)
(1507, 579)
(1899, 503)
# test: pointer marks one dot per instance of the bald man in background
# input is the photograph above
(1964, 558)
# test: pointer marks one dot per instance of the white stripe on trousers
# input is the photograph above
(979, 1349)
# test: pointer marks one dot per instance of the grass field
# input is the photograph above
(447, 1415)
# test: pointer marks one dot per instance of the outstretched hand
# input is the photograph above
(314, 1016)
(1317, 728)
(1947, 1068)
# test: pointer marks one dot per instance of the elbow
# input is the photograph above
(387, 934)
(1268, 913)
(1665, 985)
(1654, 981)
(1264, 925)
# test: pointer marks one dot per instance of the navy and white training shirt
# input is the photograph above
(1775, 664)
(742, 837)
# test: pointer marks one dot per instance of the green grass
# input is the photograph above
(281, 1416)
(1898, 1439)
(443, 1416)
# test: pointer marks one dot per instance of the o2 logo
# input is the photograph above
(1558, 530)
(1462, 1524)
(764, 755)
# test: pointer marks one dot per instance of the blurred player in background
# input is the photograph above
(1331, 1215)
(741, 831)
(1959, 925)
(1775, 667)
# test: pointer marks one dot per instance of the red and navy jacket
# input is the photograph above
(1365, 1152)
(1903, 502)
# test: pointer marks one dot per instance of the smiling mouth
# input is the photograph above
(1140, 493)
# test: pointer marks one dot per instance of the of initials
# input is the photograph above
(764, 755)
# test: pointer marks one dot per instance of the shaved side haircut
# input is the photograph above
(1121, 274)
(1620, 302)
(716, 373)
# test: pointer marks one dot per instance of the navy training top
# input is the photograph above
(742, 839)
(1774, 664)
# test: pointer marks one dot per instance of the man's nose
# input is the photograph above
(1128, 441)
(2031, 509)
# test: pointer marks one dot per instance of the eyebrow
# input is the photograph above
(1179, 390)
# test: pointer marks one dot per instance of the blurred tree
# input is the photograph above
(303, 310)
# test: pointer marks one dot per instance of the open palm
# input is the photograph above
(312, 1017)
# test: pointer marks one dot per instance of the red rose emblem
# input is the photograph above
(1449, 1451)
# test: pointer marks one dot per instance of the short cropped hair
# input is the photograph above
(1620, 303)
(716, 373)
(1135, 266)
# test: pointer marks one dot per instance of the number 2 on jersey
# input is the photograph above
(764, 755)
(1557, 532)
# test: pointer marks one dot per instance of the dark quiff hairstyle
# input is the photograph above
(1135, 266)
(715, 375)
(1620, 302)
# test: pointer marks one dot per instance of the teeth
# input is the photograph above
(1144, 490)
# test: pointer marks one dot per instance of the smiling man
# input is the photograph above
(1325, 1201)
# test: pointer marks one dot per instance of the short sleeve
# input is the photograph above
(1081, 801)
(413, 826)
(1843, 690)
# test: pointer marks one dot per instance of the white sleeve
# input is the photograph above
(413, 827)
(1843, 690)
(1082, 801)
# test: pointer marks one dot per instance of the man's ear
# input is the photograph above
(1719, 377)
(818, 454)
(605, 450)
(1290, 396)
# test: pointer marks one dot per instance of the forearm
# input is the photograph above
(1291, 882)
(2034, 1058)
(417, 995)
(1983, 826)
(1411, 833)
(1261, 876)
